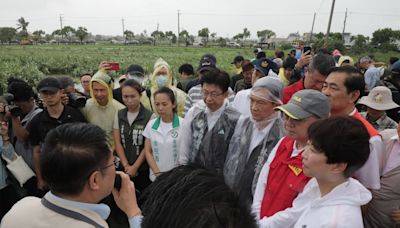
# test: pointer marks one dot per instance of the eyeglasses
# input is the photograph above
(116, 162)
(212, 95)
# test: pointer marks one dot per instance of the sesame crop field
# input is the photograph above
(32, 62)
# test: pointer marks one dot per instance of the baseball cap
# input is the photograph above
(237, 59)
(396, 67)
(49, 84)
(379, 98)
(264, 65)
(206, 62)
(345, 58)
(306, 103)
(135, 69)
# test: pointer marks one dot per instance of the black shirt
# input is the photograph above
(42, 123)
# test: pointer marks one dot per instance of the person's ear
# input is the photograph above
(338, 167)
(354, 95)
(93, 181)
(226, 93)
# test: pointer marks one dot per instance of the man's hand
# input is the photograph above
(4, 109)
(396, 216)
(104, 66)
(305, 59)
(126, 197)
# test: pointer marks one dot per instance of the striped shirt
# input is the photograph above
(195, 95)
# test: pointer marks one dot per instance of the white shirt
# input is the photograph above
(393, 160)
(212, 118)
(339, 208)
(258, 135)
(242, 102)
(263, 178)
(370, 173)
(162, 144)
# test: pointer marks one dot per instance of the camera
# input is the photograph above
(12, 107)
(76, 101)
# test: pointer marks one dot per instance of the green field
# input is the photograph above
(35, 61)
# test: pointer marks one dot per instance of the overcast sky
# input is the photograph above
(225, 17)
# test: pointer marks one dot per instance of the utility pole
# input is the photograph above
(329, 24)
(344, 25)
(61, 25)
(312, 27)
(158, 26)
(178, 29)
(123, 29)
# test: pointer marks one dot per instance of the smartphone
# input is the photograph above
(307, 48)
(113, 66)
(117, 182)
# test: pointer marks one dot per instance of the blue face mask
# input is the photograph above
(161, 80)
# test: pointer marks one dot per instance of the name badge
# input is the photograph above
(295, 170)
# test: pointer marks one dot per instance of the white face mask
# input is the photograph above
(161, 80)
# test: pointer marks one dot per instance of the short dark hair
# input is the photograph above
(65, 81)
(354, 79)
(191, 196)
(279, 54)
(247, 65)
(71, 152)
(133, 84)
(343, 140)
(21, 90)
(84, 74)
(186, 68)
(171, 95)
(216, 77)
(323, 63)
(260, 55)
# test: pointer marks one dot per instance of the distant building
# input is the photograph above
(293, 37)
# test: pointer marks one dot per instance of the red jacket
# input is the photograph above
(292, 89)
(285, 180)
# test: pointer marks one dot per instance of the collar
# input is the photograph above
(378, 121)
(218, 111)
(101, 209)
(175, 122)
(352, 113)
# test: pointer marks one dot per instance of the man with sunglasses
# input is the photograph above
(79, 167)
(282, 178)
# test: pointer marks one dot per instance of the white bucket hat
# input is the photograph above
(379, 98)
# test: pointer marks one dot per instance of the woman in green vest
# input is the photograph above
(163, 134)
(129, 124)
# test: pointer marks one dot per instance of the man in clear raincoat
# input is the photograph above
(254, 138)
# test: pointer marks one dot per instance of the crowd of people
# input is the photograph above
(311, 141)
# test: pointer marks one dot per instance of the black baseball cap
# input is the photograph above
(135, 69)
(50, 84)
(206, 62)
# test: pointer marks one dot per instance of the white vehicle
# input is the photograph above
(233, 45)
